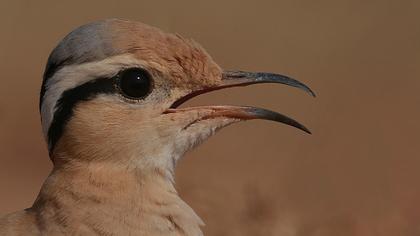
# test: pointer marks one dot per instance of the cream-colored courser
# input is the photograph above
(109, 108)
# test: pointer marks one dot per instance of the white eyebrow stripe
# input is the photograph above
(72, 76)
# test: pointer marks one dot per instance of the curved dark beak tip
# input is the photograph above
(261, 113)
(307, 89)
(237, 78)
(312, 93)
(307, 131)
(301, 127)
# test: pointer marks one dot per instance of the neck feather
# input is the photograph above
(104, 198)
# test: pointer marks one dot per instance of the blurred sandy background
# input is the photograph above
(358, 174)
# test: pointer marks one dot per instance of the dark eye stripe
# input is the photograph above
(50, 70)
(69, 99)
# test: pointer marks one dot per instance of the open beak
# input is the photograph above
(242, 78)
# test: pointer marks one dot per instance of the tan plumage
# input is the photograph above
(114, 156)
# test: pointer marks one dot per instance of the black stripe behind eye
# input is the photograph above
(69, 99)
(50, 70)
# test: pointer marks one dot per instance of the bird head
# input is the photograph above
(112, 90)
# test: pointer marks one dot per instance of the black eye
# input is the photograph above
(135, 83)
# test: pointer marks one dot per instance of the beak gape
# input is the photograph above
(242, 78)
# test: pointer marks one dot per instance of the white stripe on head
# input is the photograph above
(72, 76)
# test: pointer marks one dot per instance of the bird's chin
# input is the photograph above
(191, 126)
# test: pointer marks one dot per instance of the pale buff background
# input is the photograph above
(358, 174)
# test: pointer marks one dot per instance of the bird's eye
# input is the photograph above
(135, 83)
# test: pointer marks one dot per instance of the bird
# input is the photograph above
(111, 117)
